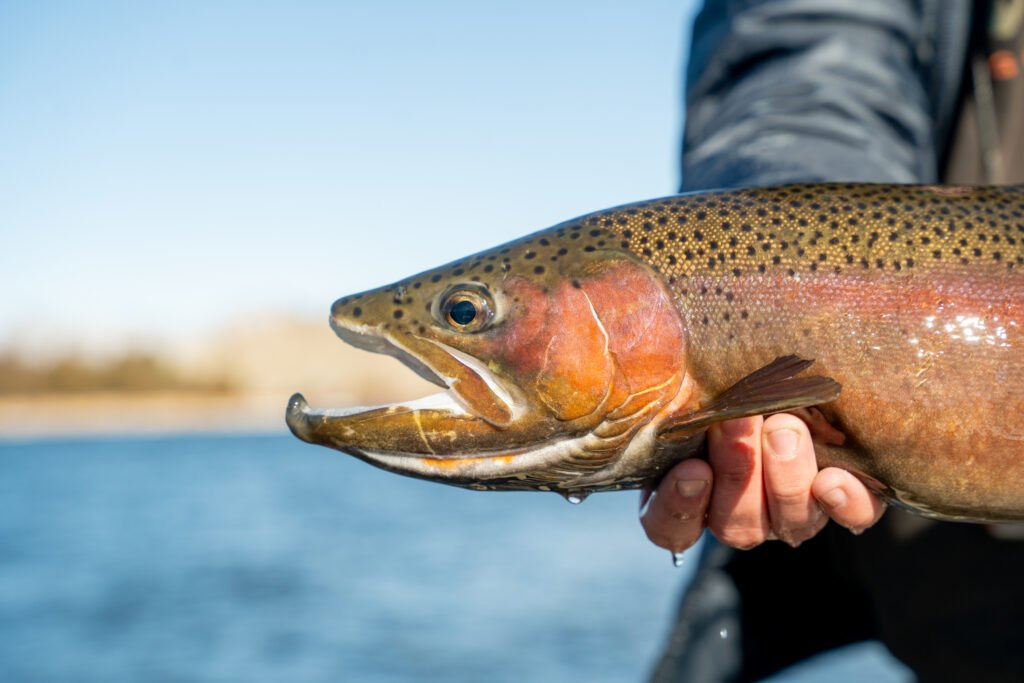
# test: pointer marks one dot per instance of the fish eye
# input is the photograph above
(465, 308)
(462, 313)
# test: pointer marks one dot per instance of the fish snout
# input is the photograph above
(343, 309)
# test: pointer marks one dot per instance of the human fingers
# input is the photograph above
(789, 470)
(846, 499)
(673, 515)
(737, 514)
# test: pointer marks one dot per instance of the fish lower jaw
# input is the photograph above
(566, 465)
(304, 421)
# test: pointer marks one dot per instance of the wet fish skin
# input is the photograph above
(612, 341)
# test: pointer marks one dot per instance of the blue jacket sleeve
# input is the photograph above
(796, 90)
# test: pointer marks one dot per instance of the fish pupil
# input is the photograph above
(463, 312)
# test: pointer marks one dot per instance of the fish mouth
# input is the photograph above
(473, 413)
(469, 382)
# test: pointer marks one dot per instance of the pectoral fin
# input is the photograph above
(772, 389)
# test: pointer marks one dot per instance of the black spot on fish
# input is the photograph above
(435, 278)
(529, 255)
(539, 270)
(398, 314)
(356, 312)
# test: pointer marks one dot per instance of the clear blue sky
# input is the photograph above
(166, 168)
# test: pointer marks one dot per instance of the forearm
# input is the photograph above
(792, 91)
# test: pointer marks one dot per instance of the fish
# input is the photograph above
(595, 354)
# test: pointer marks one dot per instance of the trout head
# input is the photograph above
(557, 369)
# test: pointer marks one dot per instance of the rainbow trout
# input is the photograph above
(595, 354)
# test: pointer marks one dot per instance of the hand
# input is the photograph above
(762, 482)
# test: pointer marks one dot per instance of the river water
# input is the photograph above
(230, 558)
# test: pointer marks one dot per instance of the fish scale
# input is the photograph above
(909, 297)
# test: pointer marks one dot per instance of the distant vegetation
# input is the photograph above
(133, 372)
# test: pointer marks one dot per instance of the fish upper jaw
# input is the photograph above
(372, 338)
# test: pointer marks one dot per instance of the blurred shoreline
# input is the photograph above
(149, 413)
(237, 380)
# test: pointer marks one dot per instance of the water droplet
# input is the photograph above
(678, 559)
(724, 633)
(574, 498)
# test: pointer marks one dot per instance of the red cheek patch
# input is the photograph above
(595, 340)
(576, 370)
(644, 328)
(557, 348)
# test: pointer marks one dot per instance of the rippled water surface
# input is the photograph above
(262, 558)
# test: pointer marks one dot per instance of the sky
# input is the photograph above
(169, 168)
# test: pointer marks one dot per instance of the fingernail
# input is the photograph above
(691, 488)
(835, 499)
(783, 443)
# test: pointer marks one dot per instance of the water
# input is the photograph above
(265, 559)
